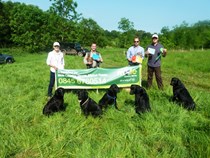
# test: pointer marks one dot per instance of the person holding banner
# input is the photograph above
(55, 60)
(154, 52)
(93, 58)
(135, 53)
(88, 61)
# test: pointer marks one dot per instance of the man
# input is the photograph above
(93, 58)
(55, 60)
(154, 52)
(135, 53)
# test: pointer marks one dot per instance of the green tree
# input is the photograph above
(125, 25)
(113, 38)
(5, 14)
(90, 31)
(166, 38)
(65, 9)
(29, 27)
(202, 32)
(128, 32)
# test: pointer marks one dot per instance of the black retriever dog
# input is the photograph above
(141, 99)
(110, 97)
(56, 103)
(88, 105)
(181, 94)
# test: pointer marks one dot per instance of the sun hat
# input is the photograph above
(155, 36)
(56, 44)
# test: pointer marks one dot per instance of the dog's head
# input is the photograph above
(59, 93)
(175, 82)
(82, 94)
(114, 88)
(136, 89)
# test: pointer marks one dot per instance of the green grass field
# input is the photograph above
(169, 131)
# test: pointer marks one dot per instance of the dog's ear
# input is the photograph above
(62, 90)
(139, 89)
(131, 89)
(56, 92)
(143, 90)
(59, 92)
(135, 88)
(114, 87)
(179, 83)
(174, 81)
(84, 92)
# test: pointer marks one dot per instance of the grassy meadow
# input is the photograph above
(168, 131)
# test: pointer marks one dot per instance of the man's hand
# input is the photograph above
(164, 52)
(147, 53)
(54, 67)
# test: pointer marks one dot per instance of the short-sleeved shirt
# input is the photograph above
(155, 59)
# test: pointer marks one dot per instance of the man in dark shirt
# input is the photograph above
(154, 52)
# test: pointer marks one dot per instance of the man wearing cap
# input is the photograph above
(135, 53)
(154, 52)
(55, 60)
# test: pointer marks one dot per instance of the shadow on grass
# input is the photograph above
(129, 102)
(144, 83)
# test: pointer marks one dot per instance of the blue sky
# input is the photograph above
(147, 15)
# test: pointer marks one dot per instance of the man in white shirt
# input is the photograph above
(55, 60)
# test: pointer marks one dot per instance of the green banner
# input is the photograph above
(97, 78)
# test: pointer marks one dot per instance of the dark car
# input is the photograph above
(73, 49)
(4, 58)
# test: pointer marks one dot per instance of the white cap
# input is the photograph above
(56, 44)
(155, 36)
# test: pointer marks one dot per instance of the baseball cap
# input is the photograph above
(56, 44)
(155, 36)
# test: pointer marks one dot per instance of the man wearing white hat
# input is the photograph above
(154, 52)
(55, 60)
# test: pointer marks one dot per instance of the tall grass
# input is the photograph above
(167, 131)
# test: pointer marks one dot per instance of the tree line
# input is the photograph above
(29, 27)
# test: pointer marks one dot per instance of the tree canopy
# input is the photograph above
(33, 29)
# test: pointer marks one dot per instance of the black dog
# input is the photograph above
(56, 103)
(181, 94)
(141, 99)
(110, 97)
(88, 105)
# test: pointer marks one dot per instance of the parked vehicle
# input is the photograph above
(4, 58)
(73, 49)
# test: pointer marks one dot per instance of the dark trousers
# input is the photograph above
(157, 71)
(51, 84)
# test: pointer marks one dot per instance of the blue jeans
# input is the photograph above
(51, 84)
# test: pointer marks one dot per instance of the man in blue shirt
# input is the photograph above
(135, 53)
(154, 52)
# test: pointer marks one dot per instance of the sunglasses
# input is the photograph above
(136, 41)
(56, 46)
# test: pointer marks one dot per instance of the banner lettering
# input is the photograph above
(98, 78)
